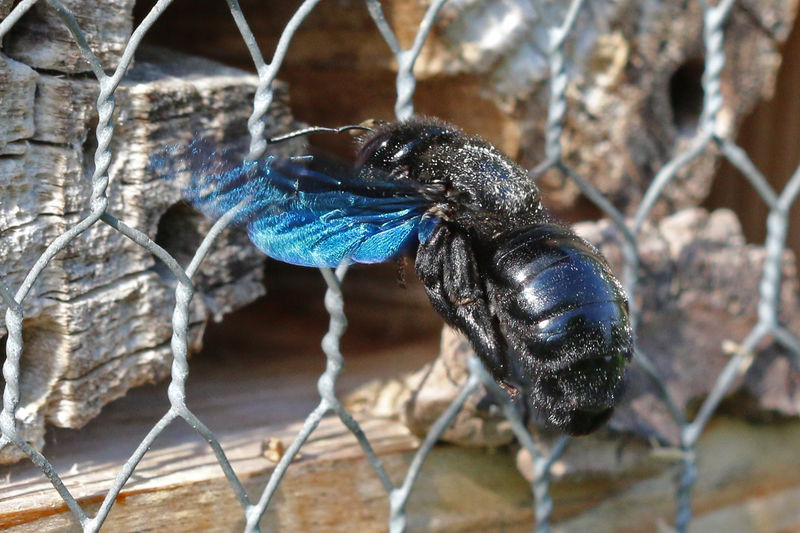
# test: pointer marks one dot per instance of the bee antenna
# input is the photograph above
(315, 129)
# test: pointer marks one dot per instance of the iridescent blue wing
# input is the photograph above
(304, 216)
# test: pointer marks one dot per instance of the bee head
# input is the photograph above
(401, 146)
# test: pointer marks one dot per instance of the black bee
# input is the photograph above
(539, 305)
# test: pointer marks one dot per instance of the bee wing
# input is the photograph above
(304, 216)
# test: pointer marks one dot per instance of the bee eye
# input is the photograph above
(372, 148)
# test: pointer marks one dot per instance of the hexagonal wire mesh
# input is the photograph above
(779, 204)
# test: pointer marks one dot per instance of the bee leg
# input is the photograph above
(490, 405)
(519, 402)
(447, 268)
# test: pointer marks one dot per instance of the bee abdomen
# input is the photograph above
(564, 318)
(564, 304)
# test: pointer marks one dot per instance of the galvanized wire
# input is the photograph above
(558, 34)
(714, 18)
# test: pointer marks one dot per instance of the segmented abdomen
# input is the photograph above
(565, 307)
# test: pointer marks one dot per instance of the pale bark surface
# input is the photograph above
(98, 320)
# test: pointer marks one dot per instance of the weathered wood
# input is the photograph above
(769, 136)
(421, 398)
(249, 392)
(40, 39)
(635, 96)
(17, 87)
(699, 295)
(98, 320)
(747, 482)
(633, 100)
(5, 7)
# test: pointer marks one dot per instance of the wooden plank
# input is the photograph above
(748, 475)
(601, 484)
(256, 381)
(247, 401)
(771, 136)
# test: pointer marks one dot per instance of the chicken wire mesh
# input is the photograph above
(767, 325)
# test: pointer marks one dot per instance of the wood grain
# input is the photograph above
(40, 39)
(98, 319)
(249, 394)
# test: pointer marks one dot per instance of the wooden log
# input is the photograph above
(98, 320)
(40, 39)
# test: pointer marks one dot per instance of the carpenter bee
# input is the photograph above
(539, 304)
